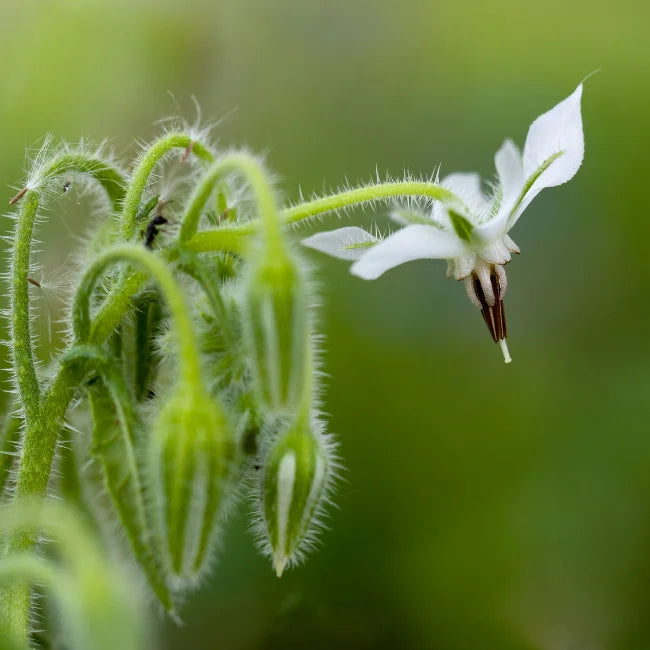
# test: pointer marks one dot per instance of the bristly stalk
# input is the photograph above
(40, 412)
(113, 183)
(158, 271)
(21, 340)
(149, 159)
(235, 238)
(252, 170)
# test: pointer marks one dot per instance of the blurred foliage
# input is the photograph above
(483, 506)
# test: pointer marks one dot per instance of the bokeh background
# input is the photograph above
(484, 505)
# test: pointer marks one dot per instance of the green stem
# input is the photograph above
(257, 177)
(23, 356)
(367, 194)
(21, 339)
(38, 449)
(43, 415)
(149, 159)
(157, 269)
(110, 178)
(17, 573)
(9, 440)
(234, 238)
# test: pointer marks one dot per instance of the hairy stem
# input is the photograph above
(234, 238)
(156, 269)
(367, 194)
(113, 183)
(43, 416)
(9, 440)
(21, 339)
(33, 477)
(149, 159)
(254, 173)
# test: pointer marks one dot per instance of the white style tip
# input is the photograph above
(504, 349)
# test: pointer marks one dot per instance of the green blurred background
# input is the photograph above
(483, 505)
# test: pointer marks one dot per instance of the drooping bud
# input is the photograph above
(277, 327)
(191, 455)
(297, 472)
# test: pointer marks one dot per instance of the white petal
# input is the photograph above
(494, 229)
(510, 170)
(467, 187)
(411, 243)
(348, 243)
(557, 132)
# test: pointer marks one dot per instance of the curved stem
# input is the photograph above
(255, 174)
(367, 194)
(23, 356)
(21, 338)
(105, 365)
(234, 238)
(149, 159)
(110, 178)
(156, 268)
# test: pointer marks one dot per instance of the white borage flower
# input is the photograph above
(472, 232)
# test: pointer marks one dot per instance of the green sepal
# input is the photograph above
(278, 333)
(190, 459)
(295, 479)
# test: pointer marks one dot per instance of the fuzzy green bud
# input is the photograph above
(296, 477)
(190, 461)
(278, 332)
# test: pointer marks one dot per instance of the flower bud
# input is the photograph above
(190, 461)
(296, 477)
(277, 327)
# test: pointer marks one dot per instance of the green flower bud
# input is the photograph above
(277, 327)
(190, 460)
(297, 473)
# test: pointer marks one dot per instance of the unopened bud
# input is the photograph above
(190, 461)
(296, 476)
(277, 326)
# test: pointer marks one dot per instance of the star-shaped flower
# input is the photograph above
(471, 231)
